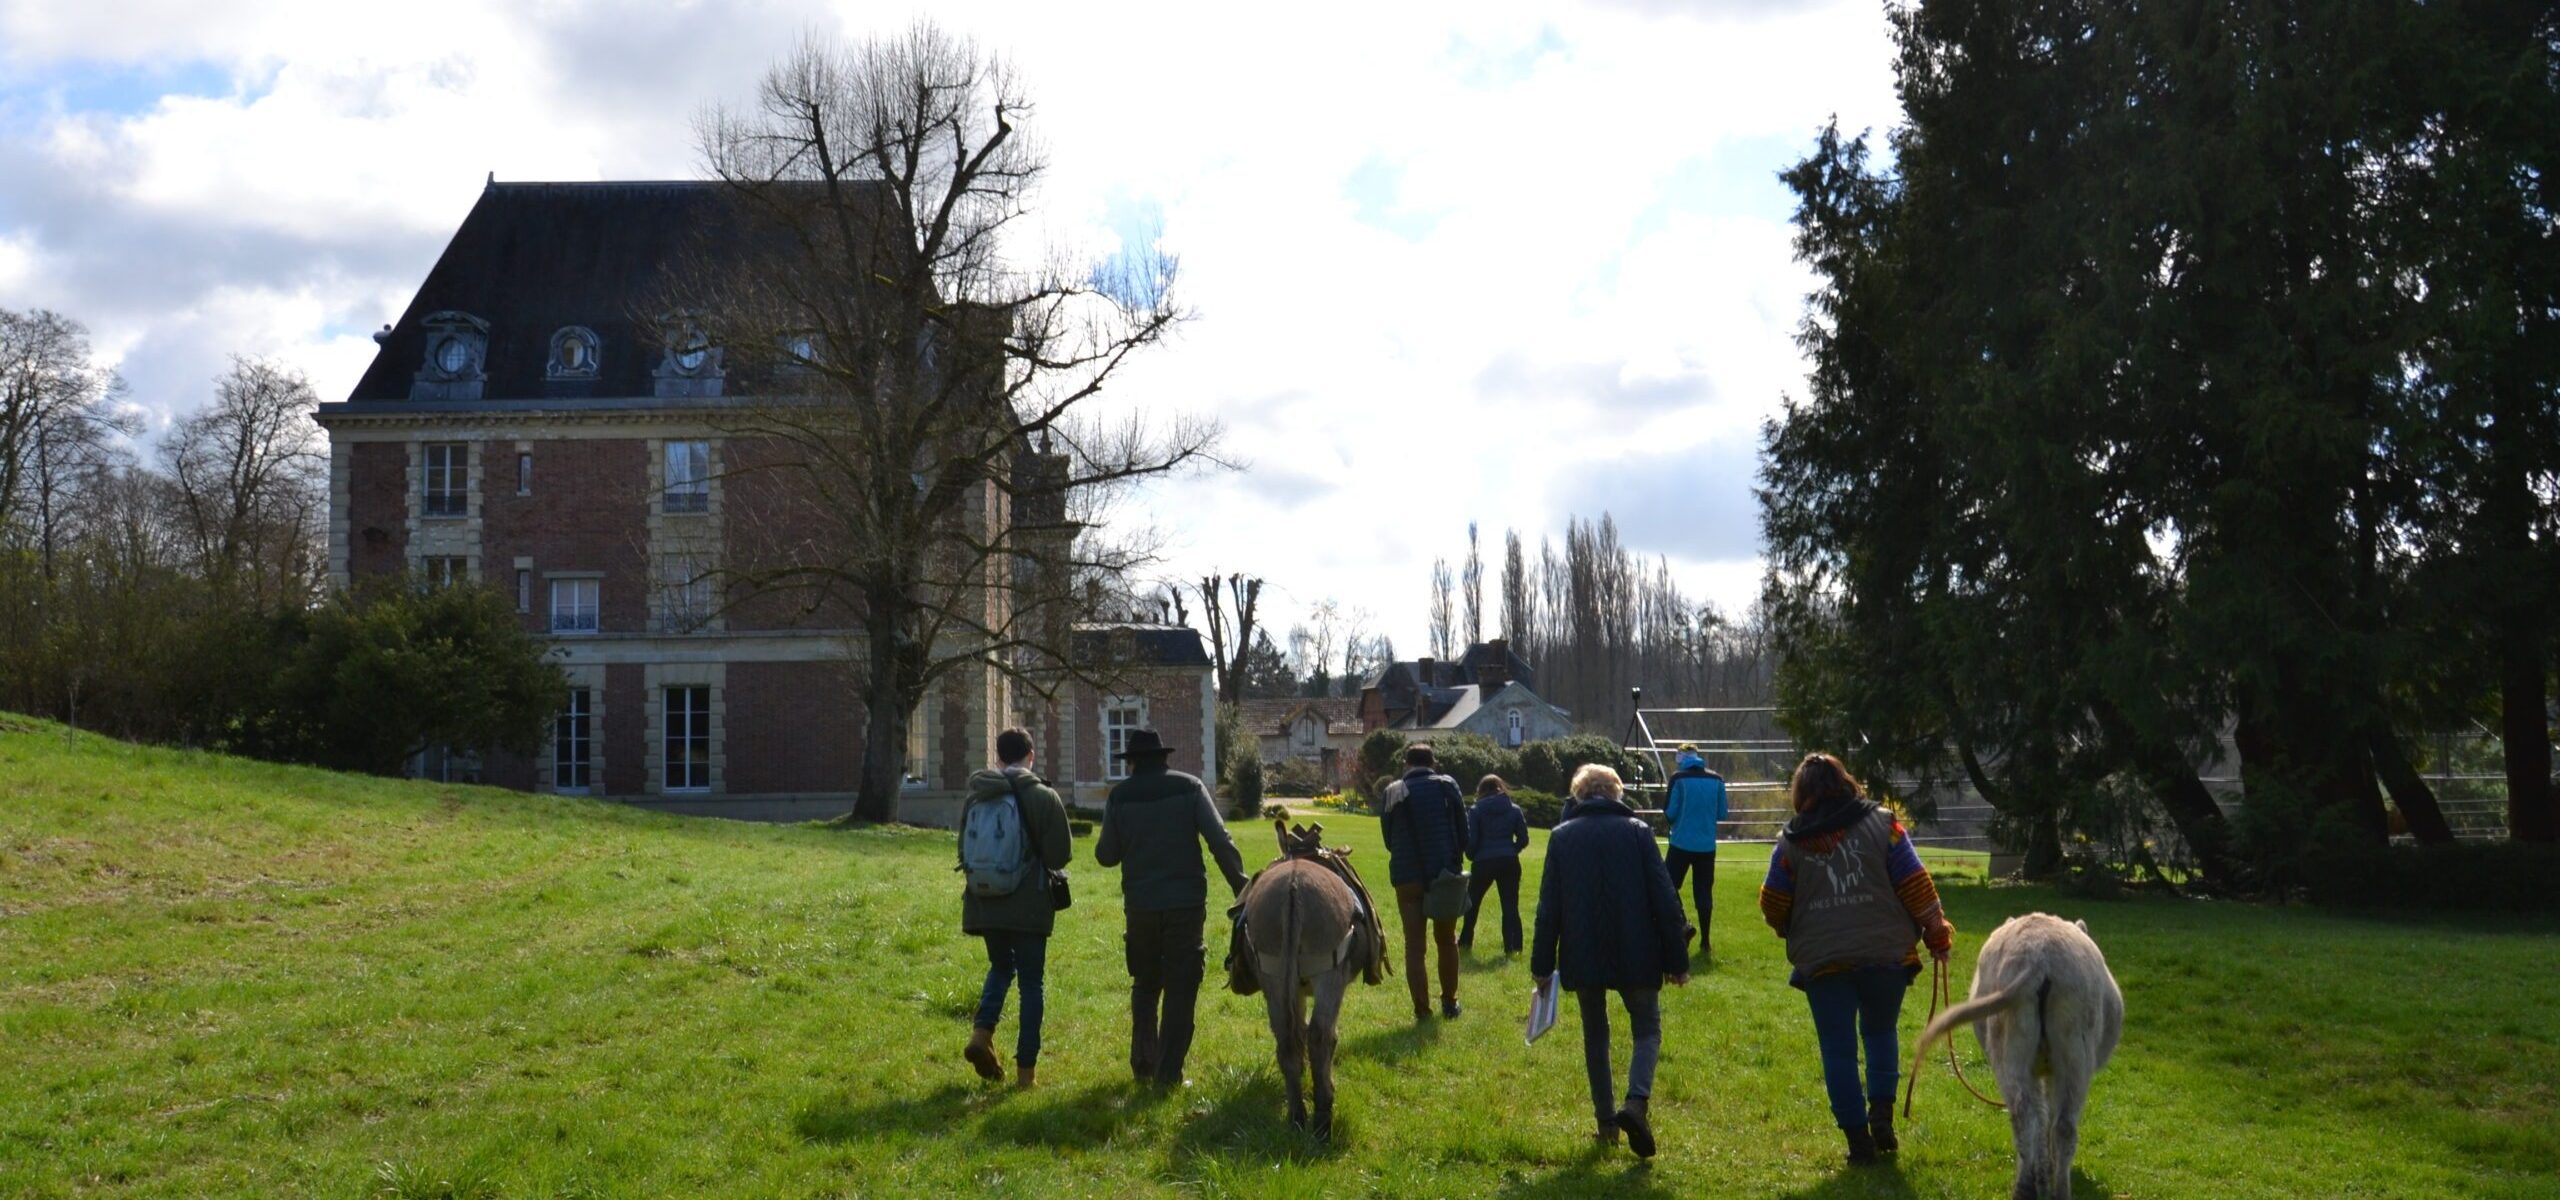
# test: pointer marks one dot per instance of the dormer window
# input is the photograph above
(575, 351)
(457, 344)
(692, 366)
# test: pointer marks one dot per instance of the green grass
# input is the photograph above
(220, 978)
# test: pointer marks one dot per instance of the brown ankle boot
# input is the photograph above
(982, 1054)
(1024, 1077)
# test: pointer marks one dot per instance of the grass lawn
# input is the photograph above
(220, 978)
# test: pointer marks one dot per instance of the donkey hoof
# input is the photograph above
(1322, 1129)
(1298, 1116)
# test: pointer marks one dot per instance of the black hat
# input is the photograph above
(1143, 743)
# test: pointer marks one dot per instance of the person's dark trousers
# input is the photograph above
(1165, 963)
(1444, 938)
(1012, 955)
(1644, 1019)
(1681, 863)
(1490, 873)
(1850, 1007)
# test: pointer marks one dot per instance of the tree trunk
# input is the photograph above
(889, 705)
(2523, 726)
(2181, 791)
(2409, 791)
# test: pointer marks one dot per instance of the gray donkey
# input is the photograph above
(1311, 928)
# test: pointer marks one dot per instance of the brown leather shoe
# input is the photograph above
(1025, 1077)
(982, 1054)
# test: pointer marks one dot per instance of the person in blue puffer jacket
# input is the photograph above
(1497, 831)
(1424, 819)
(1694, 807)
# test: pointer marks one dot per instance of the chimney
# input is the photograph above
(1494, 673)
(1423, 672)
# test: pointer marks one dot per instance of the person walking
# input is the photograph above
(1609, 921)
(1694, 808)
(1153, 826)
(1425, 823)
(1013, 821)
(1497, 831)
(1848, 893)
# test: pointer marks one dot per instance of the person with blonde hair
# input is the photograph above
(1847, 891)
(1608, 921)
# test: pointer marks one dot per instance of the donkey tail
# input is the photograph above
(1289, 932)
(1963, 1014)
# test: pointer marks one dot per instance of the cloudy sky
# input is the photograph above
(1489, 262)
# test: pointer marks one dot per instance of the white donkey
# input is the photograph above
(2048, 1015)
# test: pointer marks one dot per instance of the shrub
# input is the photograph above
(1244, 786)
(1381, 758)
(1548, 765)
(1293, 777)
(2500, 877)
(1468, 757)
(1541, 809)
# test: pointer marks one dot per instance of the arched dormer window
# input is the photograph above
(1513, 727)
(575, 353)
(692, 366)
(457, 347)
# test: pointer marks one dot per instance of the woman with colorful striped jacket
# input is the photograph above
(1848, 893)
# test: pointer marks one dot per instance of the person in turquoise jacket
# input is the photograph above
(1695, 806)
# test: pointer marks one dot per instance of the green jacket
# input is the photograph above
(1155, 821)
(1044, 822)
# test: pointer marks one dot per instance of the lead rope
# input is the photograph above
(1940, 996)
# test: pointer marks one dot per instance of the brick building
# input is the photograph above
(522, 427)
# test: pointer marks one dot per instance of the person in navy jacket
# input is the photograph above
(1497, 831)
(1425, 823)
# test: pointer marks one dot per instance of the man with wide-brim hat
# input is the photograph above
(1153, 826)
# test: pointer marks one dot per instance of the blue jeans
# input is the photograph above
(1009, 955)
(1849, 1007)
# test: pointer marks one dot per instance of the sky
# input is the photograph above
(1492, 262)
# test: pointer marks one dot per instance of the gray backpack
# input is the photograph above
(995, 855)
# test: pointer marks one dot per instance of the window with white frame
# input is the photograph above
(685, 598)
(688, 737)
(574, 605)
(1307, 730)
(524, 590)
(447, 570)
(572, 744)
(1120, 715)
(524, 473)
(447, 468)
(1512, 734)
(688, 482)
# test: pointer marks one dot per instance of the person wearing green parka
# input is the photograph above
(1016, 926)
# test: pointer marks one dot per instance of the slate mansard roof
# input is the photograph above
(533, 258)
(1129, 644)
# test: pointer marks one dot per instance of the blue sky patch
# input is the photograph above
(113, 89)
(1375, 189)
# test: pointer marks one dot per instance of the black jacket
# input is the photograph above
(1607, 917)
(1496, 828)
(1155, 821)
(1425, 826)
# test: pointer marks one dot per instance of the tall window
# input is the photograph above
(688, 477)
(573, 605)
(1512, 734)
(446, 570)
(1120, 714)
(448, 472)
(684, 592)
(524, 473)
(572, 744)
(688, 739)
(524, 590)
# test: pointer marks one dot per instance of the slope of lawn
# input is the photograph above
(221, 978)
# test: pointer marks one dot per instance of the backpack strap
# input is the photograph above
(1014, 785)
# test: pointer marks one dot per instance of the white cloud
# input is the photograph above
(1573, 259)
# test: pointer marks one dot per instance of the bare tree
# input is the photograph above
(58, 418)
(1471, 581)
(925, 428)
(1519, 605)
(251, 481)
(1230, 603)
(1444, 611)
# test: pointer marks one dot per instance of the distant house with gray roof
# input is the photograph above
(1489, 691)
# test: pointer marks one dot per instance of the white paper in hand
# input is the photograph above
(1542, 1011)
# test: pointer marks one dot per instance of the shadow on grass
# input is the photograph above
(1395, 1043)
(1083, 1118)
(1599, 1172)
(837, 1117)
(1882, 1182)
(1248, 1121)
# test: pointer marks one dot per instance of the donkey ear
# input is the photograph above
(1281, 824)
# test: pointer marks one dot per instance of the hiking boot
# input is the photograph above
(1880, 1125)
(982, 1054)
(1862, 1147)
(1449, 1010)
(1638, 1125)
(1025, 1077)
(1605, 1136)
